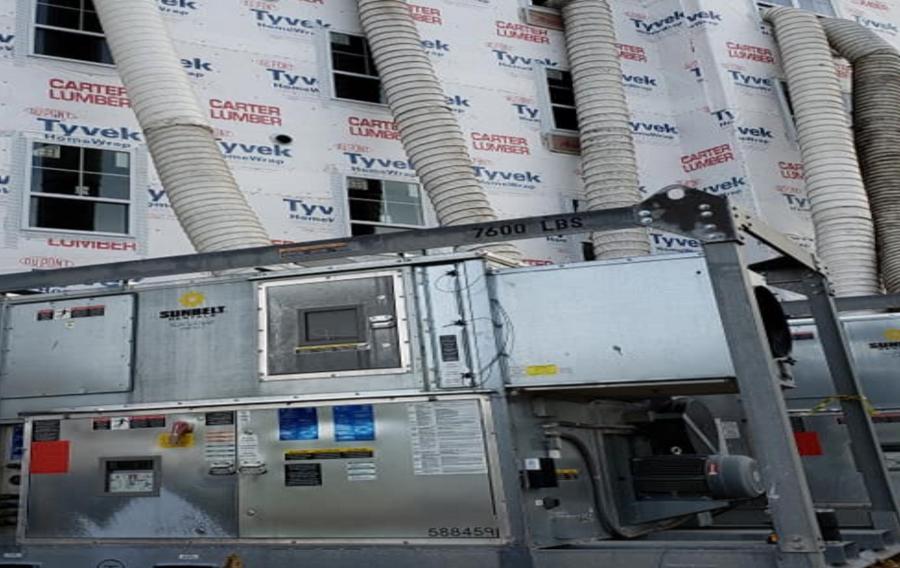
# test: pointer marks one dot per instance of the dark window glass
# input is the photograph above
(75, 17)
(59, 17)
(73, 188)
(358, 229)
(78, 215)
(56, 156)
(55, 181)
(355, 74)
(106, 161)
(71, 45)
(338, 324)
(562, 99)
(384, 203)
(75, 4)
(565, 118)
(357, 88)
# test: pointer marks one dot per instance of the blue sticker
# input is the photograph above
(18, 437)
(298, 424)
(354, 422)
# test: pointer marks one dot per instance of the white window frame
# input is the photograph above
(794, 3)
(428, 216)
(28, 194)
(32, 37)
(551, 118)
(329, 64)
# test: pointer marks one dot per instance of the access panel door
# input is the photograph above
(394, 470)
(134, 476)
(333, 326)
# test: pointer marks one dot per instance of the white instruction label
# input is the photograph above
(447, 438)
(248, 442)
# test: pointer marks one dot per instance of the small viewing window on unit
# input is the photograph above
(355, 75)
(79, 189)
(70, 29)
(820, 7)
(325, 326)
(562, 99)
(381, 206)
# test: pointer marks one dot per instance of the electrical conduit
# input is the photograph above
(608, 161)
(876, 124)
(201, 188)
(845, 235)
(429, 132)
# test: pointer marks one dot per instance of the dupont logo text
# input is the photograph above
(526, 112)
(310, 212)
(657, 130)
(268, 20)
(362, 163)
(255, 153)
(177, 7)
(640, 82)
(507, 179)
(753, 82)
(727, 187)
(676, 19)
(291, 83)
(197, 67)
(675, 243)
(117, 137)
(755, 135)
(521, 62)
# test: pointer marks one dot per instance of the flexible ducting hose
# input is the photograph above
(876, 124)
(428, 129)
(201, 188)
(845, 236)
(608, 161)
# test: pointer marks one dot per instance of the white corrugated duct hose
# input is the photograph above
(428, 129)
(876, 124)
(203, 193)
(845, 235)
(608, 162)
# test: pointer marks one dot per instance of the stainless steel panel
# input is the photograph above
(196, 342)
(68, 347)
(875, 346)
(191, 502)
(648, 319)
(376, 341)
(427, 478)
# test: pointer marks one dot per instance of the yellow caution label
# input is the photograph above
(541, 370)
(167, 442)
(567, 473)
(892, 334)
(328, 454)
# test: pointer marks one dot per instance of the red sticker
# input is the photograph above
(50, 457)
(808, 443)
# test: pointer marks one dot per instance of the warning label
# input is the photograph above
(447, 438)
(329, 454)
(302, 474)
